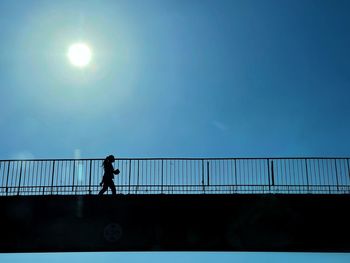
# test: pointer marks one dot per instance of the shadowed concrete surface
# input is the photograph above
(175, 223)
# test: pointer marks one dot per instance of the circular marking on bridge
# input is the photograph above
(112, 232)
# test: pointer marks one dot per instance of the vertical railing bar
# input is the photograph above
(162, 177)
(124, 178)
(41, 176)
(153, 188)
(59, 172)
(235, 175)
(255, 175)
(315, 175)
(289, 182)
(184, 178)
(172, 173)
(244, 172)
(293, 172)
(44, 176)
(348, 169)
(226, 183)
(7, 177)
(307, 176)
(208, 178)
(52, 176)
(203, 186)
(319, 172)
(20, 177)
(248, 163)
(144, 174)
(150, 177)
(92, 176)
(64, 176)
(300, 175)
(26, 177)
(70, 175)
(2, 164)
(323, 174)
(284, 177)
(73, 179)
(223, 182)
(37, 168)
(14, 177)
(154, 177)
(23, 177)
(261, 185)
(268, 173)
(272, 174)
(341, 172)
(31, 177)
(90, 172)
(129, 177)
(328, 179)
(58, 175)
(138, 176)
(336, 173)
(33, 174)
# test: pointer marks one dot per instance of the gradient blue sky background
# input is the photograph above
(175, 78)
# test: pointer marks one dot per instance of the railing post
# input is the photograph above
(348, 168)
(235, 176)
(52, 175)
(208, 178)
(161, 179)
(90, 172)
(203, 177)
(268, 173)
(20, 177)
(307, 175)
(336, 173)
(138, 176)
(129, 176)
(272, 174)
(73, 175)
(8, 174)
(235, 162)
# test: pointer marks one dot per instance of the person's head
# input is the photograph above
(110, 158)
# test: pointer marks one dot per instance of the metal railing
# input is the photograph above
(178, 176)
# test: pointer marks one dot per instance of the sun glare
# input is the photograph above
(79, 54)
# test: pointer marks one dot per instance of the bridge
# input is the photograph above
(176, 204)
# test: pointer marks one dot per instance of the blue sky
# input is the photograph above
(175, 78)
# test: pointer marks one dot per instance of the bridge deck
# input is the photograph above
(175, 223)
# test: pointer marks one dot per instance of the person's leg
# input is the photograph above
(112, 186)
(104, 189)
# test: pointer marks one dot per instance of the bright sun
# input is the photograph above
(79, 54)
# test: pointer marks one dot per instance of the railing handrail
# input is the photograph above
(184, 158)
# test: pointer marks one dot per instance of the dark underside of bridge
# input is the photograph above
(175, 223)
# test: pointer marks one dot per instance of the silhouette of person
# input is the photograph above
(107, 179)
